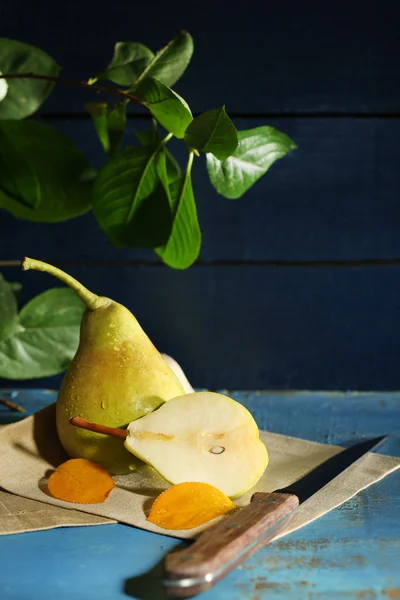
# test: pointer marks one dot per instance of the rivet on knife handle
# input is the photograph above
(228, 543)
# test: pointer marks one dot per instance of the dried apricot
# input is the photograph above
(187, 505)
(80, 480)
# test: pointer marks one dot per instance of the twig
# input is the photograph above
(74, 82)
(12, 405)
(79, 422)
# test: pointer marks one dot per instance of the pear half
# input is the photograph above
(203, 436)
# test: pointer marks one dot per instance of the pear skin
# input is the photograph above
(116, 376)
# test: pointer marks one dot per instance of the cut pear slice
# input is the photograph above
(204, 437)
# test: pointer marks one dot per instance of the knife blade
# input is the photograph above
(236, 537)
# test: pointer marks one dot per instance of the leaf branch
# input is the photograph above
(75, 83)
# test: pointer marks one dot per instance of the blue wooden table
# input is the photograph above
(352, 552)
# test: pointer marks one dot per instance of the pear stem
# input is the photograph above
(91, 300)
(11, 405)
(97, 428)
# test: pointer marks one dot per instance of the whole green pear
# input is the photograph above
(116, 376)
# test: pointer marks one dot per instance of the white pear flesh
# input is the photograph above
(203, 436)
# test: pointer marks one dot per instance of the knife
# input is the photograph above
(236, 537)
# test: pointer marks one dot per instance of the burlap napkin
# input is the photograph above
(30, 450)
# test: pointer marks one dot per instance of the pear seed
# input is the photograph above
(217, 450)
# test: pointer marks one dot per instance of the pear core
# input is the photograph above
(204, 437)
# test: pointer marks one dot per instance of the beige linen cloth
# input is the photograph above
(30, 450)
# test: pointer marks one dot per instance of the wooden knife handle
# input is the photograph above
(228, 543)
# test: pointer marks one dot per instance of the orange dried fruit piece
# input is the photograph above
(187, 505)
(80, 480)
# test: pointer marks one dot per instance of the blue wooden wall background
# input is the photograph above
(298, 283)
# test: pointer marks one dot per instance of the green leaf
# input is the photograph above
(173, 168)
(170, 62)
(24, 96)
(128, 62)
(16, 288)
(109, 124)
(99, 113)
(9, 310)
(152, 138)
(258, 149)
(183, 245)
(148, 138)
(42, 173)
(131, 203)
(170, 110)
(214, 132)
(116, 125)
(47, 337)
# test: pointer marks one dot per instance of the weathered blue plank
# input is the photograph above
(259, 327)
(31, 400)
(270, 57)
(335, 198)
(351, 553)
